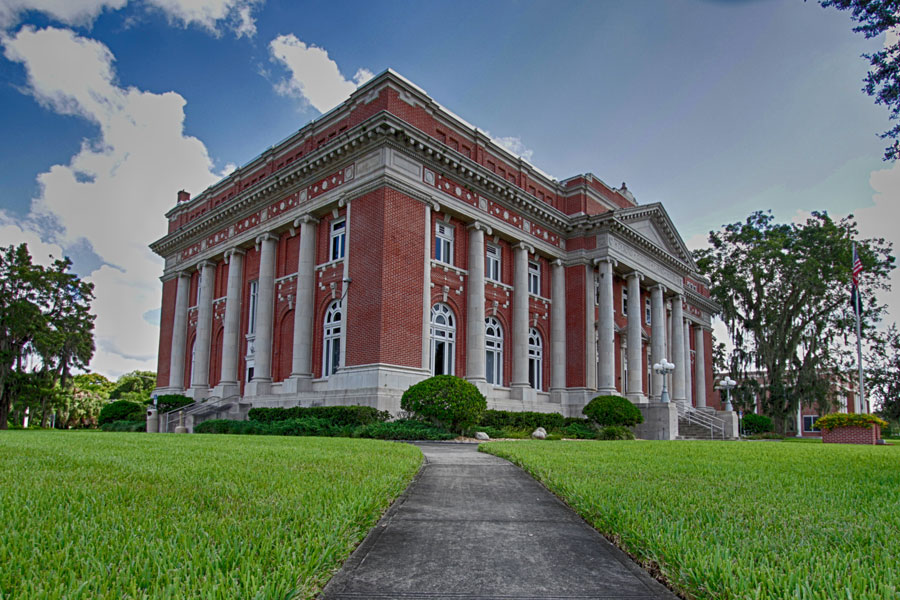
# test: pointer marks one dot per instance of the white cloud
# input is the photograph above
(314, 76)
(114, 191)
(14, 233)
(208, 14)
(516, 146)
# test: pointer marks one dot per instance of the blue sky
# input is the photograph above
(715, 109)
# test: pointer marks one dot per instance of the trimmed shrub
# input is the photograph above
(170, 402)
(609, 411)
(339, 416)
(838, 420)
(615, 432)
(122, 410)
(403, 429)
(234, 427)
(582, 430)
(445, 400)
(130, 426)
(502, 419)
(753, 424)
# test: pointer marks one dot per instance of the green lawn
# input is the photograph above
(738, 520)
(116, 515)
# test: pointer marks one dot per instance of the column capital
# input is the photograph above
(635, 273)
(204, 264)
(236, 251)
(663, 289)
(557, 262)
(307, 218)
(606, 259)
(264, 237)
(479, 225)
(524, 246)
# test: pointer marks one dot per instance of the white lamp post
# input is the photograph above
(727, 384)
(664, 367)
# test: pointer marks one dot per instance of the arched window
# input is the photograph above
(493, 348)
(443, 339)
(331, 348)
(535, 359)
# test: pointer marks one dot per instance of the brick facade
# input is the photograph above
(397, 196)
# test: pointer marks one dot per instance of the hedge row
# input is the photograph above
(505, 419)
(340, 416)
(311, 426)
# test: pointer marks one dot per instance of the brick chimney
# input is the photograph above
(183, 196)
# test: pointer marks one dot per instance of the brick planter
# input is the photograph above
(852, 435)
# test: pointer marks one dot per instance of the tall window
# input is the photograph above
(331, 348)
(535, 359)
(492, 263)
(809, 423)
(493, 348)
(443, 243)
(647, 311)
(251, 308)
(624, 302)
(443, 339)
(338, 239)
(534, 278)
(624, 360)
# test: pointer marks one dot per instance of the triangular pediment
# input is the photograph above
(652, 223)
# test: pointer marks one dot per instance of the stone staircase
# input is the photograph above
(698, 424)
(193, 414)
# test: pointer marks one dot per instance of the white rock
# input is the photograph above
(539, 434)
(480, 435)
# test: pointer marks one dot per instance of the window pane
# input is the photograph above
(439, 358)
(489, 366)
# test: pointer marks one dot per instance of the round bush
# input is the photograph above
(445, 400)
(608, 411)
(753, 424)
(121, 410)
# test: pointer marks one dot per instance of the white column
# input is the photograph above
(232, 326)
(799, 421)
(635, 362)
(301, 358)
(520, 317)
(265, 309)
(700, 367)
(590, 329)
(200, 374)
(475, 349)
(179, 332)
(558, 326)
(345, 285)
(688, 372)
(657, 338)
(606, 333)
(677, 346)
(426, 290)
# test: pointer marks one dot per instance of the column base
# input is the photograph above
(296, 384)
(637, 398)
(258, 387)
(197, 393)
(523, 392)
(608, 392)
(226, 389)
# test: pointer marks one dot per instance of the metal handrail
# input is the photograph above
(697, 417)
(172, 416)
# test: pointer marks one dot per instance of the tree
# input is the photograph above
(883, 373)
(883, 81)
(784, 292)
(45, 321)
(135, 386)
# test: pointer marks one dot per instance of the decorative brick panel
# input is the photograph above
(852, 435)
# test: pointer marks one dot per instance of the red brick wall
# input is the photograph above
(575, 326)
(852, 435)
(166, 322)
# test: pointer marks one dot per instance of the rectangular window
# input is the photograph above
(534, 278)
(492, 263)
(251, 308)
(647, 312)
(338, 238)
(624, 302)
(443, 243)
(808, 423)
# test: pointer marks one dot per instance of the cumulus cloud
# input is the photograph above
(516, 146)
(211, 15)
(315, 77)
(115, 189)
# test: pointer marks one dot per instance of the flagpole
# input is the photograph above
(857, 308)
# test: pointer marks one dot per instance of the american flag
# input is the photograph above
(857, 267)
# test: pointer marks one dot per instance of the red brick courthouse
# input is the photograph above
(390, 240)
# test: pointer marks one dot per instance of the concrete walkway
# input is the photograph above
(475, 526)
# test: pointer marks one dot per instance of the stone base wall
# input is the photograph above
(852, 435)
(660, 421)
